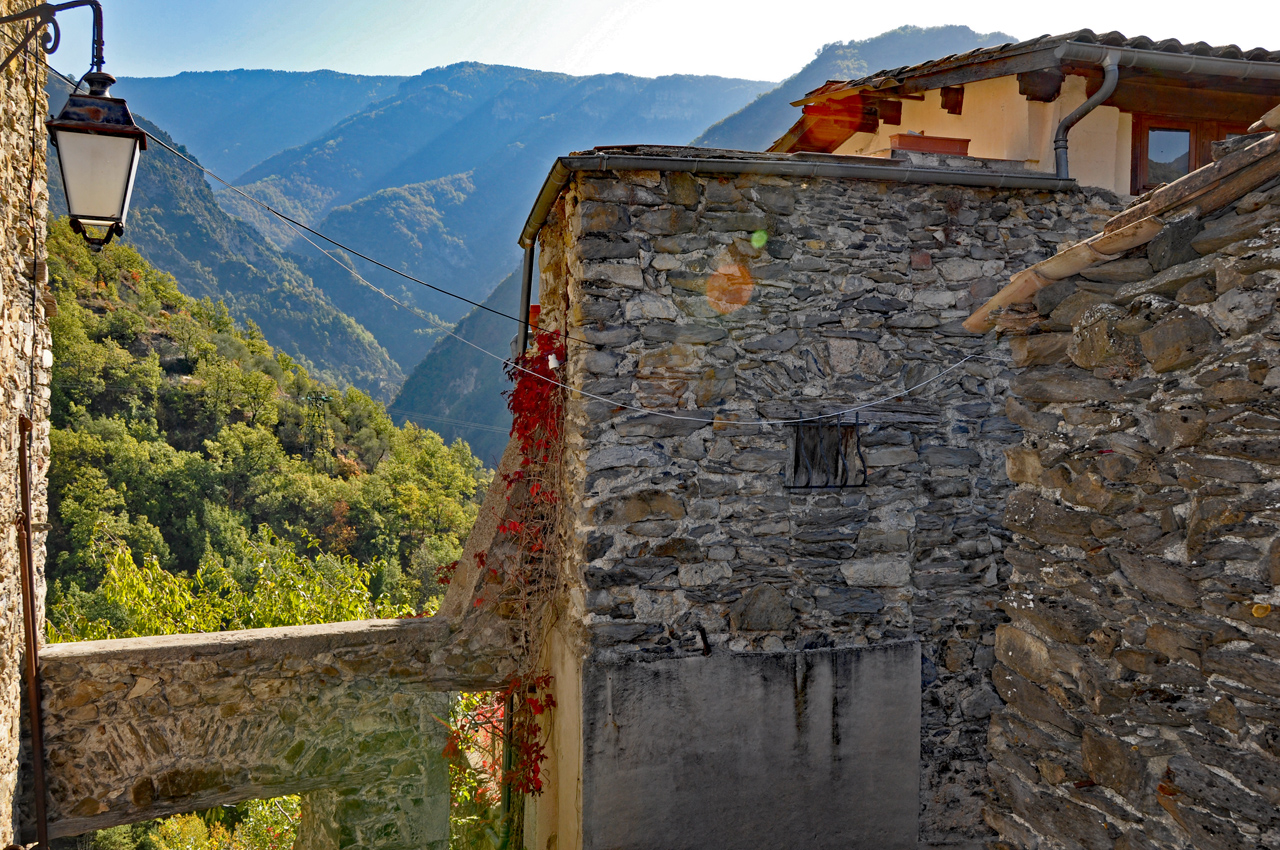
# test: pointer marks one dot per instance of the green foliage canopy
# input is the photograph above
(201, 480)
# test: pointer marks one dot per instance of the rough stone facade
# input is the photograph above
(1141, 666)
(344, 713)
(25, 359)
(686, 536)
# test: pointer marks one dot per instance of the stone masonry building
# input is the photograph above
(765, 621)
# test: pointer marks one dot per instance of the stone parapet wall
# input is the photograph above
(1141, 666)
(687, 538)
(25, 359)
(145, 727)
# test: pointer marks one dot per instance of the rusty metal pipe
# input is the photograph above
(31, 669)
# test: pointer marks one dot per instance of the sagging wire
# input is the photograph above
(299, 228)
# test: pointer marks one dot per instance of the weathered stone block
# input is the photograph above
(1178, 341)
(1022, 465)
(1173, 245)
(1023, 652)
(1233, 228)
(1046, 522)
(761, 609)
(1031, 700)
(884, 571)
(1240, 311)
(1129, 270)
(645, 505)
(1168, 281)
(1114, 764)
(1054, 385)
(1039, 349)
(597, 217)
(1096, 342)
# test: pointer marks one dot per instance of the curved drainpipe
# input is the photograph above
(526, 293)
(1111, 76)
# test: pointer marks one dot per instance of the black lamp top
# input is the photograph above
(98, 111)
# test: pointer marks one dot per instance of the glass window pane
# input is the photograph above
(1168, 155)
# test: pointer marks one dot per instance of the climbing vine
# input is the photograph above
(518, 579)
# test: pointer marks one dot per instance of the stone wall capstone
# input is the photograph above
(144, 727)
(729, 299)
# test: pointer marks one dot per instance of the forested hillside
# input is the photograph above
(764, 120)
(201, 479)
(437, 180)
(176, 223)
(464, 386)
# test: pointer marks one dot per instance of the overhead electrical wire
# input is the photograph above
(441, 327)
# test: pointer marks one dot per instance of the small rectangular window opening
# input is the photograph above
(1168, 154)
(827, 454)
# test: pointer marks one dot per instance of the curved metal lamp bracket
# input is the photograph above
(46, 25)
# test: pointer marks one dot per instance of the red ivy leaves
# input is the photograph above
(534, 398)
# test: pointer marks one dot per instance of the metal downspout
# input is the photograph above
(526, 294)
(1111, 76)
(30, 628)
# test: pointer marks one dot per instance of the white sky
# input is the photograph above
(747, 38)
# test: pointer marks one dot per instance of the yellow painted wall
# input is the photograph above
(553, 819)
(1002, 124)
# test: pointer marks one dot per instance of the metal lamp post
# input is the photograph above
(97, 141)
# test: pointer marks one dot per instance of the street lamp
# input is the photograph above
(98, 146)
(97, 141)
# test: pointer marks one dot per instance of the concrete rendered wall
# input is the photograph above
(817, 749)
(25, 358)
(684, 537)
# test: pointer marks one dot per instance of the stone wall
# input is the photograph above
(345, 713)
(687, 539)
(25, 358)
(1141, 666)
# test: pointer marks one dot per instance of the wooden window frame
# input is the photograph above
(1203, 135)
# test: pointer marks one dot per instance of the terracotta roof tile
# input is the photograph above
(1110, 39)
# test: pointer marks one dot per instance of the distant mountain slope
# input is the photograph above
(456, 391)
(764, 120)
(236, 119)
(490, 134)
(177, 225)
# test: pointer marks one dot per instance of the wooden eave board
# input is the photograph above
(953, 73)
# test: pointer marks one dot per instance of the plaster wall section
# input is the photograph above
(25, 359)
(1141, 666)
(1002, 124)
(727, 300)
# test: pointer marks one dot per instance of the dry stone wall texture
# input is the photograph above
(688, 538)
(25, 358)
(1141, 666)
(145, 727)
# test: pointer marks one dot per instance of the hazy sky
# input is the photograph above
(757, 40)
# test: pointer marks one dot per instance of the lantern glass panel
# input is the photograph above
(97, 173)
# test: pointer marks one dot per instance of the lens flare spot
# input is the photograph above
(759, 239)
(729, 288)
(1261, 610)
